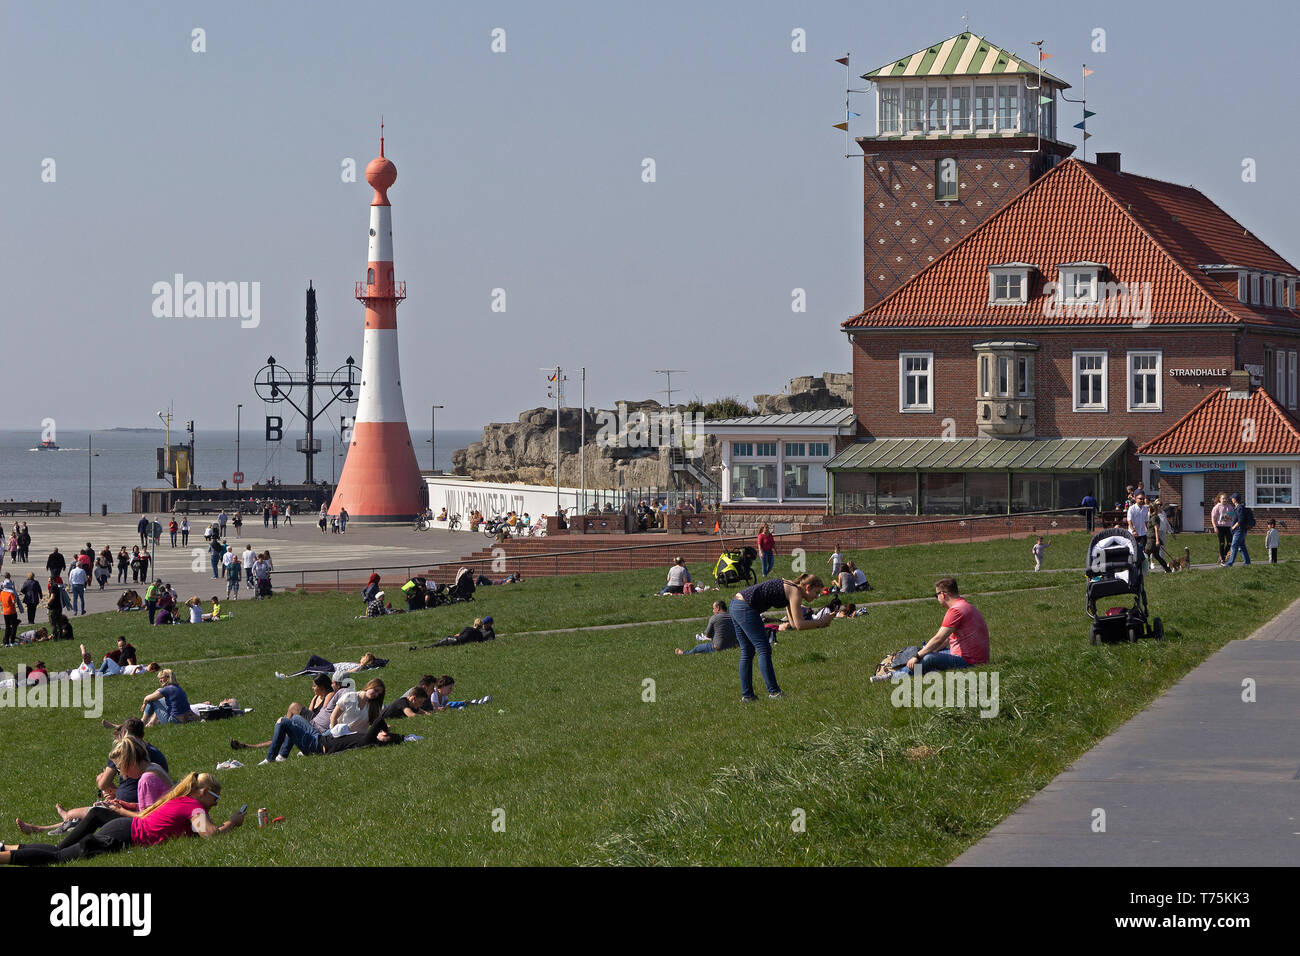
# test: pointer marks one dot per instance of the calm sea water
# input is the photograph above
(124, 460)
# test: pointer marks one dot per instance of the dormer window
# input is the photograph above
(1080, 282)
(1009, 283)
(1243, 286)
(1254, 288)
(1268, 291)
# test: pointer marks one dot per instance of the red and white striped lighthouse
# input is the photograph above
(381, 480)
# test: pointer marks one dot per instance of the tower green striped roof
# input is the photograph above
(965, 54)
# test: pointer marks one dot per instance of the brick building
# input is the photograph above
(1086, 314)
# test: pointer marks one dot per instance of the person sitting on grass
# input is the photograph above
(182, 811)
(168, 704)
(318, 711)
(215, 614)
(129, 601)
(150, 781)
(961, 641)
(125, 791)
(719, 635)
(440, 699)
(481, 630)
(355, 710)
(118, 659)
(678, 575)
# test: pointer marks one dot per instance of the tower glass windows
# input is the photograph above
(913, 109)
(959, 114)
(889, 115)
(983, 108)
(936, 106)
(1008, 106)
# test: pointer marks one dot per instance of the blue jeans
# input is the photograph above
(754, 640)
(110, 667)
(1238, 544)
(290, 732)
(936, 661)
(769, 559)
(79, 595)
(704, 647)
(162, 709)
(216, 563)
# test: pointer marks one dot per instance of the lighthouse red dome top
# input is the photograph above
(381, 173)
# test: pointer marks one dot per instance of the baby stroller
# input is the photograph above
(463, 588)
(736, 566)
(1115, 566)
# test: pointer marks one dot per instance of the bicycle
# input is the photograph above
(453, 522)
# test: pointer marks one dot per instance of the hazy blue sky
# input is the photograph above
(522, 170)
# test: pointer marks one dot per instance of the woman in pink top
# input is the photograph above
(180, 812)
(767, 549)
(1222, 516)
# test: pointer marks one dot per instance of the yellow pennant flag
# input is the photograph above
(843, 126)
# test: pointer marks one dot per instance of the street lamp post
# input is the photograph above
(239, 410)
(433, 437)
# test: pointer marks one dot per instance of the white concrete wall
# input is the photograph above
(461, 496)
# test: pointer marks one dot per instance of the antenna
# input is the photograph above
(669, 372)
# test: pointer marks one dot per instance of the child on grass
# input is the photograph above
(1271, 540)
(1039, 550)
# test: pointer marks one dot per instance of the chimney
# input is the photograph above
(1239, 384)
(1109, 161)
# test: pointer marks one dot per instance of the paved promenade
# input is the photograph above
(300, 547)
(1199, 778)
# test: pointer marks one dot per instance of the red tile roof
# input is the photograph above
(1220, 425)
(1143, 229)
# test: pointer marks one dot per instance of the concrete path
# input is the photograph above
(298, 548)
(1199, 778)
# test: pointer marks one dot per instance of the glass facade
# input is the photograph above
(753, 480)
(1031, 491)
(896, 493)
(943, 494)
(986, 493)
(981, 493)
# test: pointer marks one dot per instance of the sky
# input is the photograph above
(523, 170)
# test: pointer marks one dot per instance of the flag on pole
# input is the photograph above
(842, 59)
(1044, 56)
(1087, 113)
(717, 526)
(853, 114)
(1087, 136)
(843, 126)
(1044, 100)
(1080, 125)
(1087, 72)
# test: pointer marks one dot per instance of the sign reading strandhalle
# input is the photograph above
(1194, 466)
(1198, 372)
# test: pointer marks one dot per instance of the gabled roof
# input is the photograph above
(962, 55)
(971, 454)
(1145, 230)
(1219, 426)
(826, 418)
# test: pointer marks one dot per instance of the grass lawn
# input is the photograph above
(581, 769)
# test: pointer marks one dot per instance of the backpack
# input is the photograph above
(1247, 518)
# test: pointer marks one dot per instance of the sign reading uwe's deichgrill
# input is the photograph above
(1192, 466)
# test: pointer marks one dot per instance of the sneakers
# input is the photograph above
(749, 700)
(483, 700)
(229, 765)
(281, 758)
(264, 762)
(777, 696)
(877, 678)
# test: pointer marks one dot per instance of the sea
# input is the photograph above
(125, 458)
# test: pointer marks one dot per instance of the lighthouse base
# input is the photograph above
(381, 480)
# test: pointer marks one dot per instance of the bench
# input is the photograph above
(31, 507)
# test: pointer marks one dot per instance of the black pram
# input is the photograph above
(1116, 567)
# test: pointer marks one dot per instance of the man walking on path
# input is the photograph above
(1089, 505)
(77, 585)
(222, 518)
(143, 528)
(1243, 520)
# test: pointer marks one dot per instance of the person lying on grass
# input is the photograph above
(182, 811)
(147, 779)
(961, 641)
(440, 699)
(118, 659)
(300, 734)
(130, 601)
(480, 630)
(719, 634)
(318, 711)
(412, 705)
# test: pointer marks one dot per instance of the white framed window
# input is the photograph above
(1279, 376)
(1008, 106)
(1022, 375)
(1290, 293)
(819, 449)
(1279, 292)
(959, 113)
(983, 108)
(1274, 485)
(888, 119)
(914, 109)
(1243, 286)
(765, 449)
(945, 179)
(1090, 393)
(916, 381)
(984, 375)
(1268, 291)
(742, 449)
(1144, 381)
(936, 108)
(1291, 379)
(1078, 285)
(1008, 285)
(794, 449)
(1254, 288)
(1005, 382)
(1047, 113)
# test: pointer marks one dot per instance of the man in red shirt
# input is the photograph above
(961, 641)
